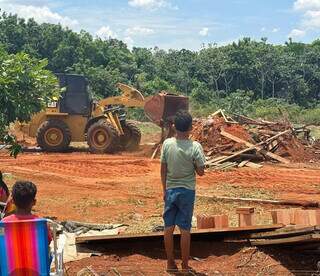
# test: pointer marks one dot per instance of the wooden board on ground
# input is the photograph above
(285, 232)
(314, 238)
(253, 165)
(197, 232)
(243, 163)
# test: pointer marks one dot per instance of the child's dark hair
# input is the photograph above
(3, 185)
(23, 193)
(183, 121)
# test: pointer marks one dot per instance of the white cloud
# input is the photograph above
(137, 30)
(40, 14)
(263, 29)
(310, 20)
(105, 33)
(151, 4)
(204, 31)
(129, 41)
(296, 33)
(303, 5)
(275, 30)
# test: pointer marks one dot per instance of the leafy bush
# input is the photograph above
(25, 87)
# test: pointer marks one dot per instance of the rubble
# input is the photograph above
(228, 141)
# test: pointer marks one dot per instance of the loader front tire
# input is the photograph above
(53, 136)
(102, 137)
(130, 141)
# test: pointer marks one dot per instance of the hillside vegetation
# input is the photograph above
(254, 78)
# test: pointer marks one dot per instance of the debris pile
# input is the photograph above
(242, 141)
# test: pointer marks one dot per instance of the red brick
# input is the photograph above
(318, 216)
(245, 210)
(198, 221)
(292, 211)
(283, 216)
(301, 217)
(209, 222)
(246, 219)
(314, 217)
(221, 221)
(205, 222)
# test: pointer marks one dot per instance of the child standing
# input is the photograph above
(181, 159)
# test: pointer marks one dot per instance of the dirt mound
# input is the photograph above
(207, 132)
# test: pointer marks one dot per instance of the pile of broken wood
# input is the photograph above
(239, 141)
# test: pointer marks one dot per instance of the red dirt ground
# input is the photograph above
(110, 188)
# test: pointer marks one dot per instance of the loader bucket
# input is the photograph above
(162, 108)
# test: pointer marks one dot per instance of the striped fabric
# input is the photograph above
(24, 248)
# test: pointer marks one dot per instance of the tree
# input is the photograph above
(25, 87)
(212, 66)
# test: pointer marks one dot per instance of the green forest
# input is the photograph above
(249, 77)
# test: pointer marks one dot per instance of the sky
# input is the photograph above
(177, 24)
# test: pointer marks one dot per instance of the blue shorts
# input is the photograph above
(178, 208)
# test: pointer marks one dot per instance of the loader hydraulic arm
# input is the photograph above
(130, 97)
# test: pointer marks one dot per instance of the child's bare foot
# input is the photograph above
(171, 266)
(186, 268)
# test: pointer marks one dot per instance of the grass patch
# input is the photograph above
(148, 128)
(315, 131)
(233, 190)
(135, 202)
(96, 203)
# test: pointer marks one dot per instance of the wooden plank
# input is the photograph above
(221, 160)
(216, 113)
(226, 165)
(291, 240)
(224, 116)
(253, 165)
(212, 161)
(243, 163)
(276, 136)
(257, 147)
(285, 232)
(229, 230)
(155, 152)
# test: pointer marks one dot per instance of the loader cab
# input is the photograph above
(75, 100)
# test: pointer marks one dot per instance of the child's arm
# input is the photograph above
(199, 170)
(164, 178)
(199, 160)
(164, 169)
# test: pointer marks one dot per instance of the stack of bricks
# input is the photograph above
(217, 222)
(296, 217)
(245, 216)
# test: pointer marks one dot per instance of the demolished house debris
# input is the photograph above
(231, 141)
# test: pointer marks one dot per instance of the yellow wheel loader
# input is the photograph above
(75, 117)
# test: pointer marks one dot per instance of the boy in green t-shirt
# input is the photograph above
(181, 159)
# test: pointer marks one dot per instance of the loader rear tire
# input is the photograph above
(130, 141)
(53, 136)
(102, 137)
